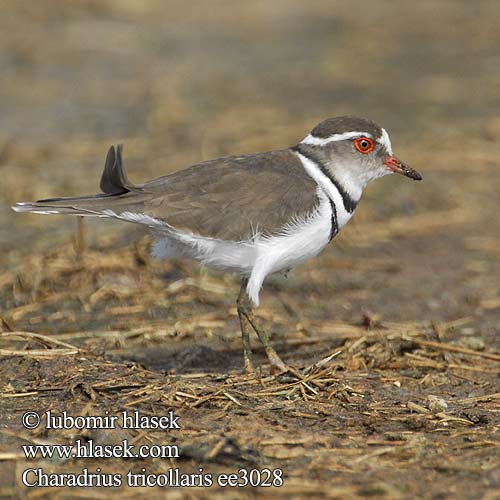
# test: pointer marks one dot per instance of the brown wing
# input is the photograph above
(233, 197)
(230, 198)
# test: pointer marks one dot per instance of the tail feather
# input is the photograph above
(118, 192)
(57, 206)
(114, 179)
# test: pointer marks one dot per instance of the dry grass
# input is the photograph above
(378, 397)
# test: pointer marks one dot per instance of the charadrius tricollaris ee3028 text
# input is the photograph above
(254, 214)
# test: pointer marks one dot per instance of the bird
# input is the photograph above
(254, 214)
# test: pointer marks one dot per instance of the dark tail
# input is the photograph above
(116, 191)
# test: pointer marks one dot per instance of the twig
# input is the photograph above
(38, 336)
(232, 398)
(38, 352)
(18, 394)
(376, 453)
(81, 243)
(454, 348)
(473, 368)
(476, 399)
(11, 455)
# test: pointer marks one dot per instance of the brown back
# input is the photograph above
(235, 196)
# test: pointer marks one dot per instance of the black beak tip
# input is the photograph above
(412, 174)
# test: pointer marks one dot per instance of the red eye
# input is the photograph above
(364, 145)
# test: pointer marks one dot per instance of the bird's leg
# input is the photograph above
(277, 364)
(245, 329)
(245, 310)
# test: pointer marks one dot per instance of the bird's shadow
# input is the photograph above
(194, 358)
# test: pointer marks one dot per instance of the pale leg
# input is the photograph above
(247, 317)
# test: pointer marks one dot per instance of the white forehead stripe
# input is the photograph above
(385, 141)
(319, 141)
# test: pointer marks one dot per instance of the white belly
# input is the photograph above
(260, 256)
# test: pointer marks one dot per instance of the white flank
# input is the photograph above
(258, 257)
(300, 241)
(145, 220)
(319, 141)
(385, 141)
(328, 187)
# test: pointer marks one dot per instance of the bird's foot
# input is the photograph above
(277, 365)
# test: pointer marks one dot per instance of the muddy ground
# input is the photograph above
(393, 329)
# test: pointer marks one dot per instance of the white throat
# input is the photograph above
(351, 178)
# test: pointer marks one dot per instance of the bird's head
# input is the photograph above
(355, 151)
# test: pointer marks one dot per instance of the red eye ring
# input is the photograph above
(364, 145)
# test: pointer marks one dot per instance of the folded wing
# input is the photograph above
(230, 198)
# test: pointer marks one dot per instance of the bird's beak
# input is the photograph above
(401, 168)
